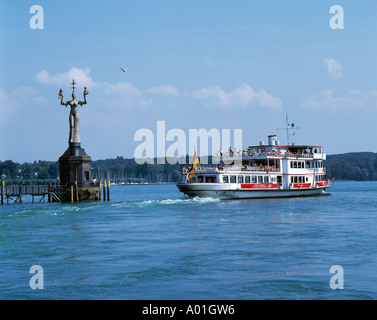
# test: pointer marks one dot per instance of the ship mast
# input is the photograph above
(289, 127)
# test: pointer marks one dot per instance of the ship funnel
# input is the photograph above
(273, 140)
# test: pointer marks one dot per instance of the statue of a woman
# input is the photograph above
(74, 117)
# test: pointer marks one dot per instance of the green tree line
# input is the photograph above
(40, 172)
(357, 166)
(117, 170)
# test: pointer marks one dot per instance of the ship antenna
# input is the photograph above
(289, 127)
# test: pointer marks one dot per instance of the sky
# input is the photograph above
(239, 64)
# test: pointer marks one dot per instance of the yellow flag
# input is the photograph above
(194, 164)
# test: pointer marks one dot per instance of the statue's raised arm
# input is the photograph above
(60, 95)
(85, 93)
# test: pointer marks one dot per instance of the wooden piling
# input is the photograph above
(2, 192)
(71, 193)
(104, 190)
(49, 193)
(20, 193)
(108, 190)
(77, 191)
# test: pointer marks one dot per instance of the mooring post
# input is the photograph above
(49, 192)
(104, 190)
(100, 182)
(108, 190)
(71, 193)
(77, 191)
(2, 192)
(20, 193)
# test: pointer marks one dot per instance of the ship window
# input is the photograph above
(307, 164)
(265, 179)
(193, 179)
(211, 179)
(273, 179)
(247, 179)
(253, 179)
(225, 179)
(299, 164)
(291, 164)
(232, 179)
(240, 179)
(294, 164)
(260, 179)
(200, 179)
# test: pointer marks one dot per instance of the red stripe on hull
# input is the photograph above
(301, 185)
(259, 186)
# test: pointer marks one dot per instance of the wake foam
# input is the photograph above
(165, 202)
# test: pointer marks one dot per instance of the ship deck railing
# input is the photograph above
(265, 153)
(233, 168)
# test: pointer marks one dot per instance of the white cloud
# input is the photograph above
(164, 90)
(80, 75)
(121, 88)
(123, 94)
(334, 68)
(242, 96)
(22, 104)
(120, 94)
(352, 100)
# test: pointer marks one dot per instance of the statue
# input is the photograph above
(74, 117)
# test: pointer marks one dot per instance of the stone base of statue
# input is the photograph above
(76, 179)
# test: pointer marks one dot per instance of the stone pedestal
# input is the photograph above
(76, 175)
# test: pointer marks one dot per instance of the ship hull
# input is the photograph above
(225, 192)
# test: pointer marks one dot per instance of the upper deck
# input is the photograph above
(270, 158)
(273, 150)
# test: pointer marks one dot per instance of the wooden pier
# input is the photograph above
(53, 193)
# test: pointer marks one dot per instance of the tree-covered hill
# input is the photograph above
(356, 166)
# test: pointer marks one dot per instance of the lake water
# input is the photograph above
(151, 242)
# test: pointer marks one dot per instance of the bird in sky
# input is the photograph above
(123, 69)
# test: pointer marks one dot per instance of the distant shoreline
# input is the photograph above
(352, 166)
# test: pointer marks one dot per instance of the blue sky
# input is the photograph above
(194, 64)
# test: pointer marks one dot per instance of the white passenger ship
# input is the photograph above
(262, 171)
